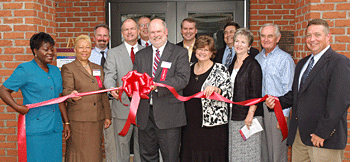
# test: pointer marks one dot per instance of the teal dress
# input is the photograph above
(43, 124)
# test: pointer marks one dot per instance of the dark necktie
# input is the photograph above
(103, 60)
(228, 58)
(132, 55)
(307, 71)
(147, 44)
(156, 63)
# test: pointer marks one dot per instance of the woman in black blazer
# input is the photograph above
(246, 78)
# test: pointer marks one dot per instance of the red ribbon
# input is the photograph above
(138, 86)
(141, 84)
(21, 137)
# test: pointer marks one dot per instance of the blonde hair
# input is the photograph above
(83, 37)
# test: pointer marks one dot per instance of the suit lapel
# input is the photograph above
(148, 59)
(126, 57)
(165, 55)
(82, 69)
(315, 70)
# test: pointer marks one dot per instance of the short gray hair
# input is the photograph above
(245, 32)
(277, 31)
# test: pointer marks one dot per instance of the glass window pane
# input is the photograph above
(212, 24)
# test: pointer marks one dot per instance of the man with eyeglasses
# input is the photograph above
(226, 55)
(143, 24)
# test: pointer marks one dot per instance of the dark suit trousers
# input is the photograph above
(151, 139)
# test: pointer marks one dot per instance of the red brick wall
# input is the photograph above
(75, 17)
(337, 14)
(19, 20)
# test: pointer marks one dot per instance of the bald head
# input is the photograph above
(158, 33)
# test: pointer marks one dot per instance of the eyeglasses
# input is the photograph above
(142, 25)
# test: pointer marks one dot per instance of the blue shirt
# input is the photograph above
(96, 55)
(226, 52)
(278, 73)
(36, 86)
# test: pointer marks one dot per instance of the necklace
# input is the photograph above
(196, 77)
(86, 66)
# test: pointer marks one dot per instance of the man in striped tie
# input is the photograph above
(160, 117)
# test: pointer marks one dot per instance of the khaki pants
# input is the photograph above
(303, 153)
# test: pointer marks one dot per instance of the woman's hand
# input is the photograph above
(67, 131)
(107, 123)
(22, 109)
(270, 102)
(75, 98)
(248, 120)
(209, 90)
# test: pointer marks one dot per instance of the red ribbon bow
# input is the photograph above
(138, 86)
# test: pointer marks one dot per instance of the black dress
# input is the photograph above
(201, 144)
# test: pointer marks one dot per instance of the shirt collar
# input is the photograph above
(263, 52)
(184, 45)
(130, 46)
(319, 55)
(160, 49)
(99, 50)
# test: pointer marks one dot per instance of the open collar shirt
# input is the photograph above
(278, 73)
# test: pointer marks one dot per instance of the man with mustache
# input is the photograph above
(119, 62)
(98, 56)
(143, 24)
(160, 118)
(189, 31)
(101, 38)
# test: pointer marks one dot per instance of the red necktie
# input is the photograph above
(132, 56)
(147, 44)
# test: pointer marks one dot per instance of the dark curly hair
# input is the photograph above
(38, 39)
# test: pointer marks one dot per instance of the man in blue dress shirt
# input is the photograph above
(278, 72)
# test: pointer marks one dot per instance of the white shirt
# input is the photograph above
(143, 43)
(129, 47)
(153, 58)
(96, 55)
(315, 60)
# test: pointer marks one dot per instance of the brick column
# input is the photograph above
(19, 21)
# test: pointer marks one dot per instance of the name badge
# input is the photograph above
(96, 72)
(165, 64)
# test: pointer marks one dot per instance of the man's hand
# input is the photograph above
(107, 123)
(270, 102)
(317, 141)
(153, 87)
(286, 121)
(115, 94)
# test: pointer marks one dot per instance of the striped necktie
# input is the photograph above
(156, 63)
(307, 72)
(228, 58)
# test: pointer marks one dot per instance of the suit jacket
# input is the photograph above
(167, 110)
(193, 58)
(247, 85)
(118, 64)
(88, 108)
(320, 106)
(139, 41)
(220, 54)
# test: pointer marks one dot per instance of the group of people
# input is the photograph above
(195, 130)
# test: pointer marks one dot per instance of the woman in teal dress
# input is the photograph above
(39, 81)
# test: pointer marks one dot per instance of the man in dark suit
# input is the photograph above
(226, 55)
(160, 117)
(189, 31)
(320, 99)
(143, 24)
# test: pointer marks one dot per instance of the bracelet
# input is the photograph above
(67, 123)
